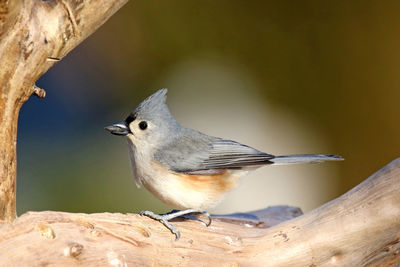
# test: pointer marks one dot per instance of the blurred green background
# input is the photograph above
(282, 76)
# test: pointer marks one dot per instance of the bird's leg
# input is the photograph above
(165, 218)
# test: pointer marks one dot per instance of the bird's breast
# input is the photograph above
(183, 191)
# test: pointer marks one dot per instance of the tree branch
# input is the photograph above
(360, 228)
(34, 35)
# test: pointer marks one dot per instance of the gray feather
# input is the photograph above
(153, 106)
(304, 158)
(154, 109)
(186, 151)
(196, 153)
(227, 154)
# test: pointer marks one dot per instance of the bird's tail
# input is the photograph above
(303, 158)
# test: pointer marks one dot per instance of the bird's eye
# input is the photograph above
(143, 125)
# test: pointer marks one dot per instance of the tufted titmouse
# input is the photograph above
(184, 168)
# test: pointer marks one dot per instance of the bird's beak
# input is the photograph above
(118, 129)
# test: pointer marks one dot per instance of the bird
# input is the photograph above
(188, 170)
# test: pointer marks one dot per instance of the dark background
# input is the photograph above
(283, 76)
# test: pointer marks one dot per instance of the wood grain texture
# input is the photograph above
(34, 35)
(360, 228)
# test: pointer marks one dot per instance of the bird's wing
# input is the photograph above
(196, 153)
(227, 154)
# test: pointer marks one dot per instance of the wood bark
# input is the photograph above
(34, 35)
(360, 228)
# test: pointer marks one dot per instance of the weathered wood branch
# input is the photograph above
(360, 228)
(34, 35)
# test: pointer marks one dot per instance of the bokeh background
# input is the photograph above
(282, 76)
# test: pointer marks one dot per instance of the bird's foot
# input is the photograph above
(165, 218)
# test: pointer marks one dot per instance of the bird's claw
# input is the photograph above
(164, 218)
(195, 218)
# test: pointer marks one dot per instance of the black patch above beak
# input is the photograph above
(118, 129)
